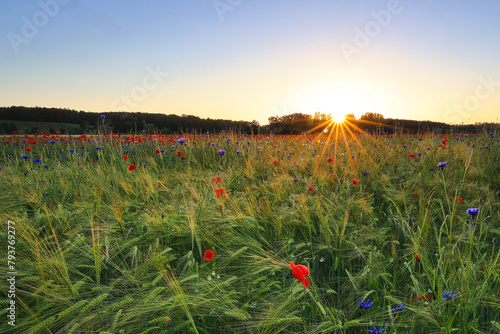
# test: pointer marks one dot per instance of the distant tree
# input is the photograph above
(371, 116)
(350, 116)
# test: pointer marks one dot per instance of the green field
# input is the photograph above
(99, 248)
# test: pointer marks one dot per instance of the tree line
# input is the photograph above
(297, 123)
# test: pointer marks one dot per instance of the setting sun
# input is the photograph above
(338, 117)
(339, 102)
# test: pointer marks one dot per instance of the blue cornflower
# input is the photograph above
(222, 152)
(46, 166)
(448, 296)
(442, 164)
(72, 150)
(376, 331)
(238, 151)
(296, 180)
(25, 156)
(366, 303)
(103, 116)
(180, 141)
(398, 308)
(473, 211)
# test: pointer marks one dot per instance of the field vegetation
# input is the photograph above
(112, 233)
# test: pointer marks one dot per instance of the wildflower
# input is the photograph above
(216, 179)
(180, 153)
(157, 151)
(420, 297)
(37, 160)
(459, 199)
(398, 308)
(299, 272)
(94, 161)
(103, 116)
(354, 182)
(184, 158)
(329, 159)
(365, 303)
(418, 257)
(376, 331)
(322, 259)
(208, 256)
(473, 212)
(28, 149)
(125, 157)
(310, 188)
(412, 155)
(296, 180)
(275, 163)
(442, 164)
(25, 156)
(219, 192)
(448, 296)
(238, 151)
(131, 167)
(222, 152)
(415, 195)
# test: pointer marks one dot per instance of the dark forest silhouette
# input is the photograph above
(125, 122)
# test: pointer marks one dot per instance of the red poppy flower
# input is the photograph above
(276, 163)
(300, 272)
(132, 167)
(28, 149)
(329, 159)
(184, 158)
(216, 179)
(219, 192)
(307, 167)
(418, 257)
(420, 297)
(310, 188)
(94, 161)
(459, 199)
(354, 182)
(179, 153)
(208, 256)
(415, 195)
(125, 157)
(157, 151)
(412, 155)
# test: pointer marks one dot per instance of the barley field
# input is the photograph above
(193, 233)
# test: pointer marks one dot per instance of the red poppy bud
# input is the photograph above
(354, 182)
(418, 257)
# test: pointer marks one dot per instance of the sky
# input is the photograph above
(250, 60)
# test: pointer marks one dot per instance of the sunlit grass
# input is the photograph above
(102, 249)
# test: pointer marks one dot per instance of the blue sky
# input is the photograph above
(247, 60)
